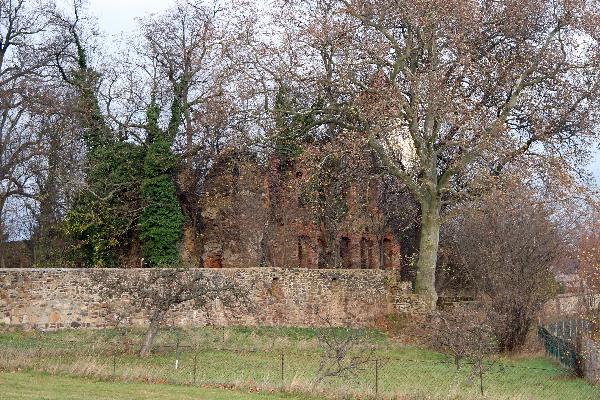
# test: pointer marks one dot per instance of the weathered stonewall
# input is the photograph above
(68, 298)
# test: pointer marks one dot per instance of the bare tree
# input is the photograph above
(509, 248)
(195, 48)
(28, 94)
(445, 94)
(467, 333)
(344, 352)
(483, 345)
(158, 291)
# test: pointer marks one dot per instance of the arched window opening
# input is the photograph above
(388, 254)
(364, 260)
(303, 252)
(345, 256)
(322, 254)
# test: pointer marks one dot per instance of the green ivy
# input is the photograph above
(118, 195)
(161, 221)
(325, 192)
(291, 126)
(103, 217)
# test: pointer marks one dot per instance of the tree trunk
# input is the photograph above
(428, 250)
(155, 321)
(2, 250)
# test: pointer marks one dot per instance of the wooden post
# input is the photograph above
(376, 377)
(177, 353)
(282, 364)
(195, 366)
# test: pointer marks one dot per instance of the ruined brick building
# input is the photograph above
(331, 207)
(327, 209)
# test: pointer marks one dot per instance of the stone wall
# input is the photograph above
(570, 304)
(590, 351)
(63, 298)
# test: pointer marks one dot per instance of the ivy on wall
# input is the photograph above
(161, 220)
(103, 217)
(291, 126)
(129, 194)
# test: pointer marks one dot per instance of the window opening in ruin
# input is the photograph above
(303, 252)
(387, 254)
(322, 261)
(345, 252)
(367, 259)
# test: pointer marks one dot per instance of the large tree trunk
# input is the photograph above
(43, 238)
(155, 321)
(428, 250)
(2, 250)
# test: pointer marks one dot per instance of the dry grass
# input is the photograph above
(250, 360)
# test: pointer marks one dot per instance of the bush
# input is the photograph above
(507, 246)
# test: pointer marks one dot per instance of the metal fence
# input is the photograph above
(561, 340)
(563, 350)
(569, 329)
(252, 359)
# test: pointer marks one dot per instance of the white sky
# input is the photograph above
(117, 16)
(594, 167)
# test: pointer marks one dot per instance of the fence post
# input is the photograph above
(282, 364)
(195, 365)
(114, 364)
(376, 377)
(570, 329)
(177, 353)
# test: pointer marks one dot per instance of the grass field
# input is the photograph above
(252, 359)
(41, 386)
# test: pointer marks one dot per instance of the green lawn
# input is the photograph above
(40, 386)
(251, 358)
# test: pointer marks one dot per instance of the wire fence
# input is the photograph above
(569, 342)
(569, 329)
(252, 359)
(563, 350)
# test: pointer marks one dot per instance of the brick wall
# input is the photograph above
(63, 298)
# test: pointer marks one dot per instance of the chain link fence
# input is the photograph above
(290, 360)
(563, 350)
(570, 342)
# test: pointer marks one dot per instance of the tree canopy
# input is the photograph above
(112, 145)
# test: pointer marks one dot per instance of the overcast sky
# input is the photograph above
(116, 16)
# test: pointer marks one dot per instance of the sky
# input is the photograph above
(118, 16)
(594, 167)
